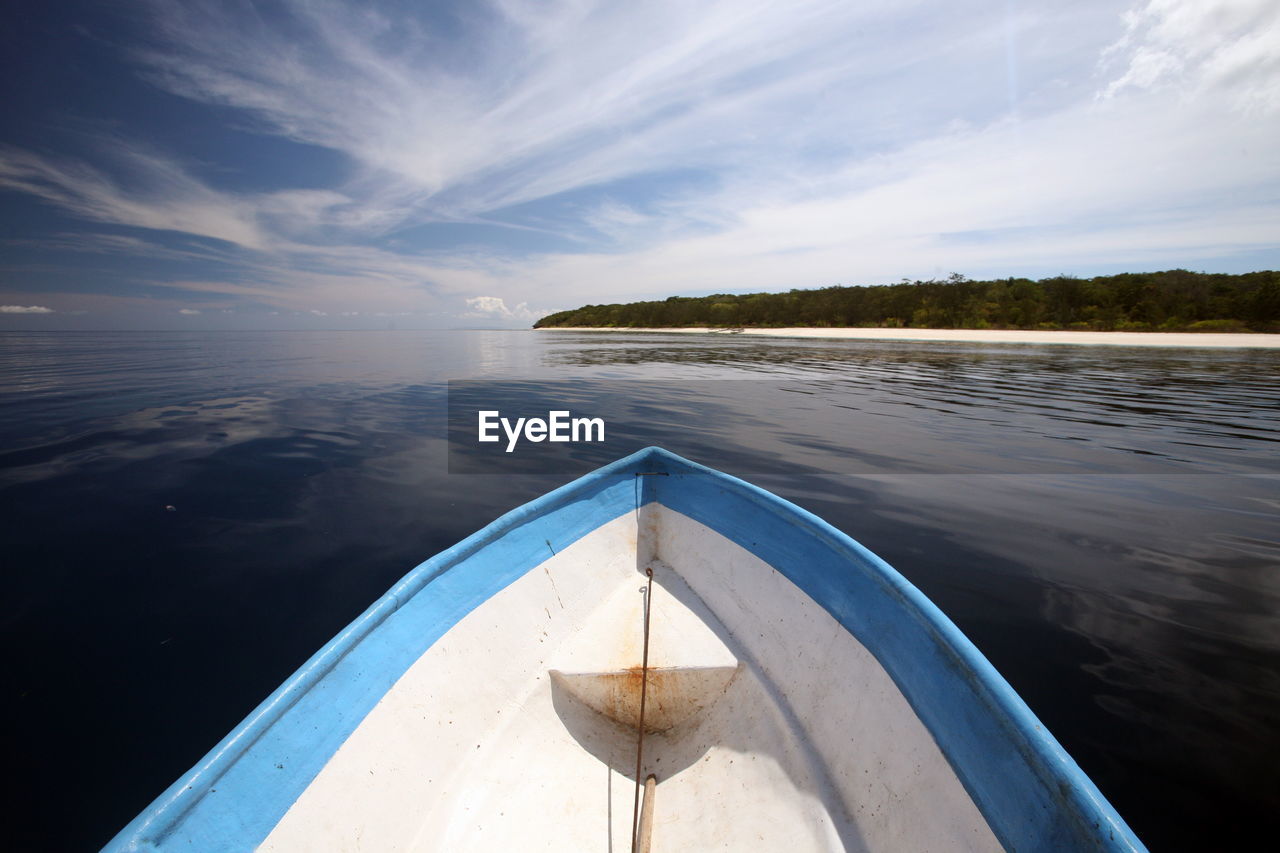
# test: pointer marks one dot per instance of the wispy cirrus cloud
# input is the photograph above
(68, 242)
(154, 192)
(529, 99)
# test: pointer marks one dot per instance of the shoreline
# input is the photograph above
(1203, 340)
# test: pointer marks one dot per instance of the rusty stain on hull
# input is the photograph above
(674, 693)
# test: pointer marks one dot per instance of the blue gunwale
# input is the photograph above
(1029, 790)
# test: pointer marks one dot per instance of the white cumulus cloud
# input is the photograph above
(495, 307)
(25, 309)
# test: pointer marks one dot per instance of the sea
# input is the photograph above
(185, 517)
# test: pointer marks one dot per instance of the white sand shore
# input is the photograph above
(985, 336)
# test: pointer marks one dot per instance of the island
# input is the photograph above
(1168, 301)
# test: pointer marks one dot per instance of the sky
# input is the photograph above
(478, 164)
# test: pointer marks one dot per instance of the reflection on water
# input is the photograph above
(189, 516)
(1214, 410)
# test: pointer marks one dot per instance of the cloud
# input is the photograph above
(487, 305)
(189, 312)
(530, 99)
(116, 244)
(161, 195)
(495, 307)
(25, 309)
(1229, 48)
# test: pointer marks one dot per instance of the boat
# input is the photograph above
(656, 656)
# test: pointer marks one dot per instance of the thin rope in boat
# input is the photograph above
(636, 844)
(644, 683)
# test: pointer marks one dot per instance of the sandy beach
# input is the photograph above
(983, 336)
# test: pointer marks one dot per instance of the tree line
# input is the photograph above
(1169, 301)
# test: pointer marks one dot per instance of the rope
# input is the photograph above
(637, 844)
(644, 683)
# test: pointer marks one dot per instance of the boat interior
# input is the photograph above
(655, 686)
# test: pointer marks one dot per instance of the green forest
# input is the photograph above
(1169, 301)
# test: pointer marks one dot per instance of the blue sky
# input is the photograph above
(478, 164)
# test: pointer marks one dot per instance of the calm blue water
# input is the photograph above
(187, 517)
